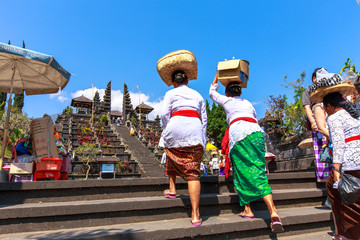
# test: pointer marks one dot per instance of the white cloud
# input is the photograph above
(60, 96)
(63, 98)
(157, 109)
(135, 101)
(55, 94)
(89, 93)
(117, 100)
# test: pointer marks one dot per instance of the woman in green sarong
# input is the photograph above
(246, 150)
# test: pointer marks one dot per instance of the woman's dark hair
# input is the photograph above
(335, 99)
(179, 76)
(314, 73)
(233, 89)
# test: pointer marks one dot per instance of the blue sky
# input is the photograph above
(121, 41)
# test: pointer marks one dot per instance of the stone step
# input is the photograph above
(103, 176)
(74, 190)
(74, 136)
(227, 226)
(48, 216)
(141, 153)
(321, 234)
(108, 152)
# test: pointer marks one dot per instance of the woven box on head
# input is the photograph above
(235, 70)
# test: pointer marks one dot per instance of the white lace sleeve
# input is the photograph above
(166, 110)
(337, 137)
(203, 115)
(217, 97)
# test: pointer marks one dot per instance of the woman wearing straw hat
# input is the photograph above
(323, 82)
(246, 150)
(316, 115)
(184, 120)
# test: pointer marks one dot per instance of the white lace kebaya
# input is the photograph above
(343, 126)
(236, 107)
(181, 131)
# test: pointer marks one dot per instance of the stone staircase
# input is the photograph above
(134, 208)
(148, 162)
(69, 127)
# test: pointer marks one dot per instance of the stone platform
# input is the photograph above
(136, 209)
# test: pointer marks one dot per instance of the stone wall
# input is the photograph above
(289, 157)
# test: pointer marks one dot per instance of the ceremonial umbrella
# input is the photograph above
(22, 70)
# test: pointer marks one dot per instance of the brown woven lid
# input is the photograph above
(179, 60)
(343, 88)
(306, 143)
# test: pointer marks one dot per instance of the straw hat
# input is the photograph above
(326, 79)
(179, 60)
(343, 88)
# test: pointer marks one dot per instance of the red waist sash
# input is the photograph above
(186, 113)
(225, 142)
(247, 119)
(352, 138)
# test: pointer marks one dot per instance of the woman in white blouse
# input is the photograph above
(184, 120)
(345, 139)
(246, 150)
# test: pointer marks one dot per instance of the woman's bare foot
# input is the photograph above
(195, 215)
(196, 222)
(245, 215)
(169, 194)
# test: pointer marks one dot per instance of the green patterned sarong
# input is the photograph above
(248, 162)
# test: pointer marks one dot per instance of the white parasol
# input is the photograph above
(23, 70)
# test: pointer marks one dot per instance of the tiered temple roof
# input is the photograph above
(128, 110)
(143, 108)
(115, 113)
(105, 105)
(97, 102)
(82, 102)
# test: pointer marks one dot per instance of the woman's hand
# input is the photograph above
(215, 78)
(314, 127)
(337, 175)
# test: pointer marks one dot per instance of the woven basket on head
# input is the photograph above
(343, 88)
(179, 60)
